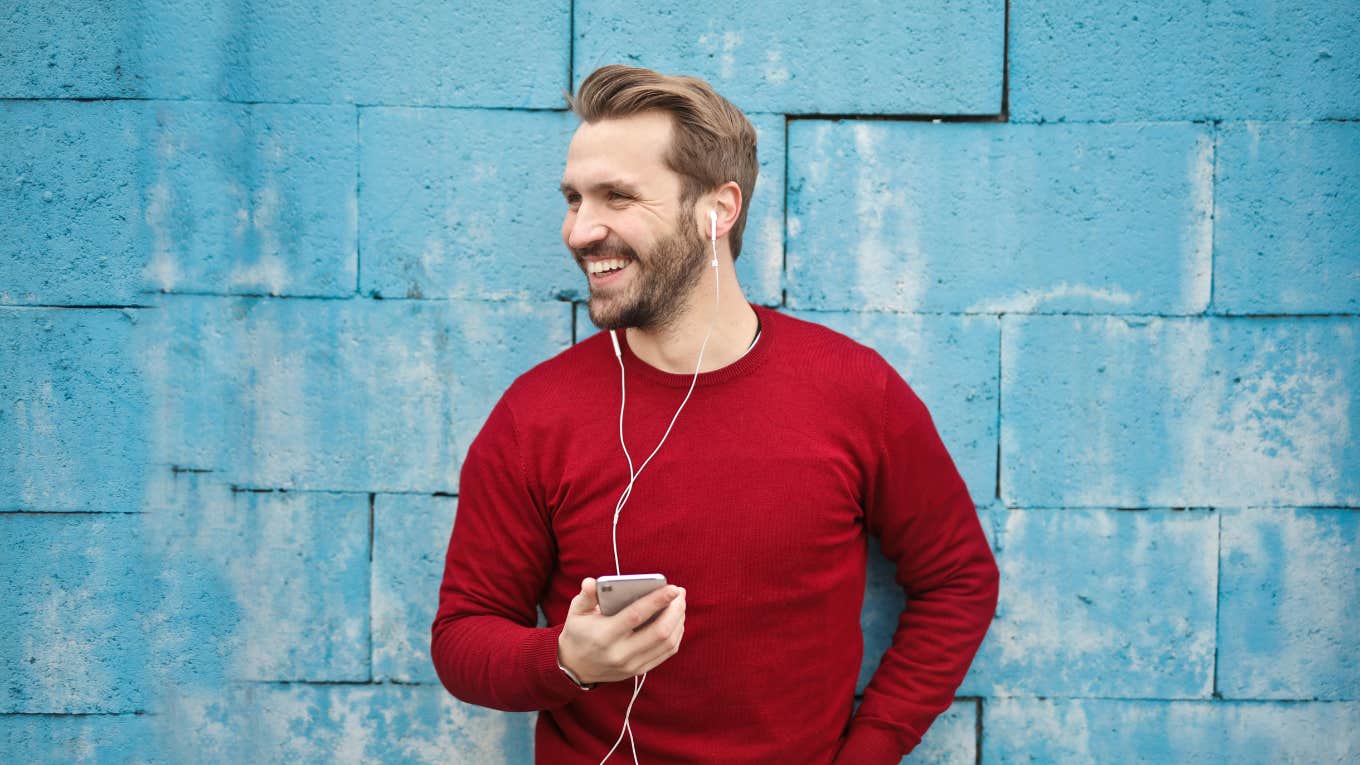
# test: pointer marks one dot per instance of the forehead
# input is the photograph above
(627, 149)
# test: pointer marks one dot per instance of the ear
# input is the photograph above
(726, 201)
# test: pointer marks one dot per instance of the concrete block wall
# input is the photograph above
(268, 268)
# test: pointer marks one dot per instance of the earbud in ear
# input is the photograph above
(713, 225)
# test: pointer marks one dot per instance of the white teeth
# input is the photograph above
(600, 266)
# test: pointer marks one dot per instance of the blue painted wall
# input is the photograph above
(268, 266)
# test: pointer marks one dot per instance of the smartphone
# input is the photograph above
(616, 592)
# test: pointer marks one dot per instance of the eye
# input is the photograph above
(618, 196)
(573, 200)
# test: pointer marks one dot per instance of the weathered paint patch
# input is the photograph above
(335, 395)
(1289, 611)
(1092, 731)
(410, 540)
(277, 582)
(298, 566)
(1287, 226)
(913, 216)
(73, 409)
(1100, 603)
(115, 199)
(1166, 60)
(1197, 234)
(69, 196)
(80, 740)
(76, 600)
(1104, 411)
(251, 199)
(806, 57)
(193, 631)
(760, 266)
(466, 54)
(952, 738)
(340, 724)
(464, 203)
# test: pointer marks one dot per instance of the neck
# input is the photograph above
(675, 347)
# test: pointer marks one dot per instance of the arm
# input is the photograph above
(919, 508)
(486, 647)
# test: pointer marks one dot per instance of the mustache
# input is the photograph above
(601, 249)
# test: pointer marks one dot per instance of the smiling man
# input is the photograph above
(762, 451)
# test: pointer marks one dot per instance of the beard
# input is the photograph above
(656, 293)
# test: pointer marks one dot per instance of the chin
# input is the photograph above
(606, 321)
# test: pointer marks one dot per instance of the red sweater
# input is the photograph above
(758, 504)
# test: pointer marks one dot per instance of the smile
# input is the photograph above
(607, 271)
(604, 266)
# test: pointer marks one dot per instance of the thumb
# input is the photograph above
(586, 601)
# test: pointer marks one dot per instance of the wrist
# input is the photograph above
(572, 676)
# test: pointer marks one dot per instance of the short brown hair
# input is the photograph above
(712, 142)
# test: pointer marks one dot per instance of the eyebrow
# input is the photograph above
(621, 185)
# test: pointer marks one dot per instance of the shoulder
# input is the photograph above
(829, 352)
(856, 370)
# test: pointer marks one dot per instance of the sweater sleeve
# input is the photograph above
(919, 508)
(486, 647)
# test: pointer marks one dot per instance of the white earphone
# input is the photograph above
(633, 474)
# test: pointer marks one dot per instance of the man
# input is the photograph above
(795, 443)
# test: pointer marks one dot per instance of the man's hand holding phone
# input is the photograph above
(602, 649)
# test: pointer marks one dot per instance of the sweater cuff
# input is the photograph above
(550, 683)
(869, 744)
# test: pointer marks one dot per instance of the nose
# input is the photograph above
(582, 228)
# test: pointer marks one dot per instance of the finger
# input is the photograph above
(666, 622)
(642, 609)
(644, 640)
(666, 650)
(586, 600)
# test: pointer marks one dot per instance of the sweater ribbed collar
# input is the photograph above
(752, 359)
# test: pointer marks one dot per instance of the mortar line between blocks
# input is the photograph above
(484, 107)
(1142, 509)
(492, 107)
(977, 732)
(171, 294)
(92, 306)
(129, 713)
(1005, 74)
(904, 117)
(73, 512)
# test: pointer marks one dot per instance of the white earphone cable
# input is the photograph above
(633, 475)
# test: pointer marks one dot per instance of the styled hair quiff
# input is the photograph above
(712, 142)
